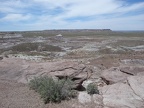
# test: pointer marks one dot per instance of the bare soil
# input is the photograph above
(17, 95)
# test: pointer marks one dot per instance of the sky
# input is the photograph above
(23, 15)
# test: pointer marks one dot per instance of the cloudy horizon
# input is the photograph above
(23, 15)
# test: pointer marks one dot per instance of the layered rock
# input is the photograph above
(113, 75)
(23, 71)
(133, 70)
(124, 89)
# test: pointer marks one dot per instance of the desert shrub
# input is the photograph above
(51, 90)
(92, 89)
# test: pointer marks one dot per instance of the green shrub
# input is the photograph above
(51, 90)
(92, 89)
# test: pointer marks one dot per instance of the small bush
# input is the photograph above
(52, 91)
(92, 89)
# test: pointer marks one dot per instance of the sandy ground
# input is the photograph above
(16, 95)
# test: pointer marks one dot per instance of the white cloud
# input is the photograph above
(93, 8)
(15, 17)
(13, 6)
(16, 11)
(121, 23)
(131, 7)
(4, 9)
(73, 8)
(76, 8)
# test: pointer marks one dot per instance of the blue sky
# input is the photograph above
(21, 15)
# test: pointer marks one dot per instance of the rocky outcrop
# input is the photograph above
(120, 95)
(133, 70)
(137, 85)
(126, 94)
(83, 97)
(23, 71)
(123, 90)
(113, 75)
(93, 101)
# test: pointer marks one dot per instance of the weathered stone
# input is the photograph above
(86, 83)
(95, 101)
(113, 75)
(120, 95)
(98, 100)
(133, 70)
(23, 71)
(137, 85)
(83, 97)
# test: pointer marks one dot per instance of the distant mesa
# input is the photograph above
(57, 30)
(78, 30)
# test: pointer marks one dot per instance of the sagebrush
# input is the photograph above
(92, 89)
(51, 90)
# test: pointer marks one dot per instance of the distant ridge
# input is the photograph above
(60, 30)
(79, 30)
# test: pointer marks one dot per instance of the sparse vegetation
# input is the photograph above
(51, 90)
(92, 89)
(81, 33)
(24, 47)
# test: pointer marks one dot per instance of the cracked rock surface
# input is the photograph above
(125, 86)
(23, 71)
(121, 95)
(137, 85)
(122, 90)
